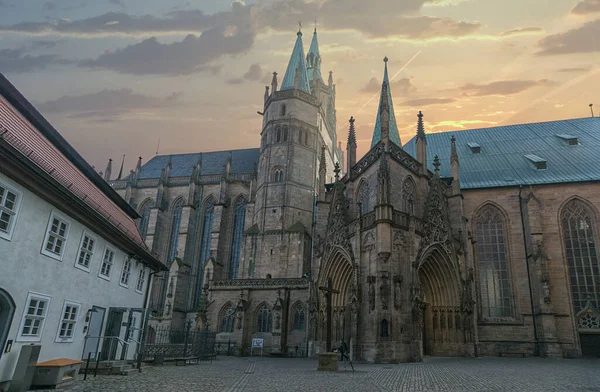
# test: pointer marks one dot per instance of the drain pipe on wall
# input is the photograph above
(527, 253)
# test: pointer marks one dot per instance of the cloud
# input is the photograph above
(106, 105)
(18, 61)
(401, 86)
(502, 87)
(43, 44)
(427, 101)
(579, 40)
(254, 74)
(448, 125)
(573, 70)
(586, 7)
(49, 5)
(520, 31)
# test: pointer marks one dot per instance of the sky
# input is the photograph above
(125, 77)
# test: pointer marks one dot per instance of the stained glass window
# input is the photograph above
(264, 322)
(175, 223)
(578, 223)
(239, 218)
(298, 318)
(227, 318)
(494, 278)
(408, 196)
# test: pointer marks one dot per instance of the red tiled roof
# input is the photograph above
(23, 136)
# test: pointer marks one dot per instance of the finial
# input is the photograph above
(315, 27)
(337, 171)
(299, 28)
(352, 120)
(420, 115)
(420, 127)
(352, 133)
(436, 164)
(385, 59)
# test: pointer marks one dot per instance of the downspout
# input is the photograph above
(527, 253)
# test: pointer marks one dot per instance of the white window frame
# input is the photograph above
(63, 219)
(62, 319)
(33, 338)
(80, 250)
(126, 263)
(13, 213)
(140, 280)
(112, 263)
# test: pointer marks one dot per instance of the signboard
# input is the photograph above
(257, 343)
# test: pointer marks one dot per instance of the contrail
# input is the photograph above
(393, 77)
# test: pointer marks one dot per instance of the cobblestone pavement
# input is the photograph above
(435, 374)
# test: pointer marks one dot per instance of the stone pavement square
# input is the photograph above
(230, 374)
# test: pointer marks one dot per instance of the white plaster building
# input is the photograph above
(72, 262)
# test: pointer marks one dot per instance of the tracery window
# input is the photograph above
(239, 217)
(494, 279)
(278, 175)
(227, 317)
(175, 223)
(207, 223)
(145, 217)
(264, 320)
(363, 197)
(578, 226)
(298, 318)
(408, 196)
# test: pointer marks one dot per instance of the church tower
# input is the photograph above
(298, 121)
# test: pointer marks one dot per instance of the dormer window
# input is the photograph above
(570, 139)
(475, 148)
(539, 163)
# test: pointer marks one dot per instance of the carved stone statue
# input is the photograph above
(371, 281)
(384, 291)
(398, 291)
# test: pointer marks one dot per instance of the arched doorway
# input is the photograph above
(7, 311)
(340, 270)
(443, 319)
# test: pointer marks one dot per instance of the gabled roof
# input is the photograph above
(394, 135)
(297, 60)
(242, 161)
(506, 153)
(314, 69)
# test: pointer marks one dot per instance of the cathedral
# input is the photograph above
(479, 242)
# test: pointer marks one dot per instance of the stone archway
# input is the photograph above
(443, 317)
(340, 269)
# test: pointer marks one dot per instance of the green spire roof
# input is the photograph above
(393, 127)
(313, 59)
(296, 62)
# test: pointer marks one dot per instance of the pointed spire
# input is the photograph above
(351, 148)
(352, 133)
(386, 99)
(313, 59)
(297, 61)
(266, 93)
(138, 167)
(121, 170)
(274, 83)
(108, 170)
(420, 128)
(330, 80)
(453, 152)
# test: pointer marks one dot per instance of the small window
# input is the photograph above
(68, 322)
(86, 252)
(538, 162)
(140, 282)
(306, 138)
(570, 139)
(56, 237)
(475, 148)
(285, 134)
(300, 136)
(279, 176)
(282, 110)
(34, 317)
(10, 200)
(384, 329)
(107, 262)
(278, 134)
(126, 272)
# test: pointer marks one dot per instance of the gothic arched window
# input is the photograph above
(227, 317)
(408, 196)
(306, 138)
(145, 217)
(300, 136)
(364, 195)
(278, 131)
(494, 278)
(239, 217)
(278, 175)
(282, 110)
(207, 223)
(175, 224)
(264, 319)
(384, 329)
(285, 133)
(298, 317)
(578, 227)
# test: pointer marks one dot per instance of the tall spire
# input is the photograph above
(351, 147)
(313, 59)
(385, 101)
(297, 61)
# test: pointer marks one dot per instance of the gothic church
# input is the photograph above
(480, 242)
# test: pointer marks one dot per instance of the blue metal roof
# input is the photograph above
(503, 159)
(242, 161)
(296, 61)
(394, 135)
(314, 70)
